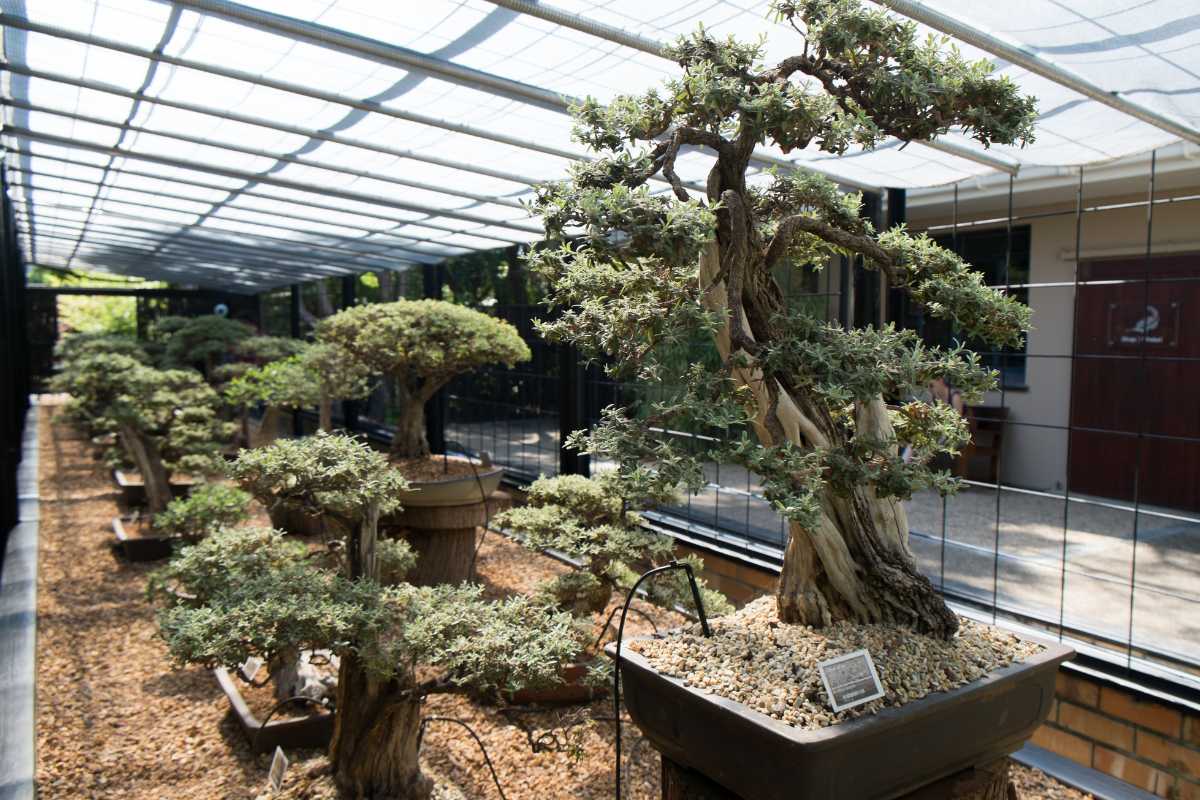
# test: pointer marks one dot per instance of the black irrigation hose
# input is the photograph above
(487, 759)
(621, 633)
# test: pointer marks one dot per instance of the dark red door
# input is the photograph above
(1137, 371)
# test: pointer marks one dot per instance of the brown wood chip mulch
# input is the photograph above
(117, 720)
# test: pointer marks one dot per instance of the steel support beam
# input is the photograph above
(295, 130)
(251, 151)
(265, 196)
(197, 166)
(1038, 66)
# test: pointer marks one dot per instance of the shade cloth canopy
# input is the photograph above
(248, 146)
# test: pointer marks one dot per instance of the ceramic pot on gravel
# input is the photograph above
(573, 690)
(310, 731)
(133, 488)
(448, 499)
(880, 756)
(137, 541)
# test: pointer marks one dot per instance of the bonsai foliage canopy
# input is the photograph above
(420, 345)
(202, 340)
(821, 413)
(252, 591)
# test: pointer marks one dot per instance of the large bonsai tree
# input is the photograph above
(251, 592)
(420, 346)
(799, 401)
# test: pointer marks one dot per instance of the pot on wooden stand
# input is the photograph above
(439, 518)
(947, 745)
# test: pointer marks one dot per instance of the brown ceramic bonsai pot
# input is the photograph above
(137, 547)
(312, 731)
(573, 690)
(133, 489)
(876, 757)
(455, 490)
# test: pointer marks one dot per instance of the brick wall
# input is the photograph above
(1140, 740)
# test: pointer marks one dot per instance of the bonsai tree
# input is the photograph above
(203, 341)
(279, 385)
(88, 366)
(166, 420)
(801, 402)
(208, 509)
(590, 519)
(255, 351)
(250, 592)
(419, 346)
(337, 375)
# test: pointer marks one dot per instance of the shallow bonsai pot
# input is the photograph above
(876, 757)
(458, 490)
(573, 690)
(311, 732)
(133, 489)
(140, 548)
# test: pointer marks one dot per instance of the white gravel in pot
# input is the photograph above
(771, 666)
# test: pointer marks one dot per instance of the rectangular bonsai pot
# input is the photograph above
(311, 732)
(133, 489)
(876, 757)
(140, 548)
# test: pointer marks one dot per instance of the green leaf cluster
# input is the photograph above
(207, 508)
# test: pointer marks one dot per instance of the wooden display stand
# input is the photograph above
(989, 782)
(443, 537)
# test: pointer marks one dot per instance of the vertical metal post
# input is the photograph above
(867, 301)
(897, 299)
(433, 278)
(1004, 421)
(845, 292)
(571, 412)
(349, 298)
(296, 300)
(1141, 426)
(1062, 578)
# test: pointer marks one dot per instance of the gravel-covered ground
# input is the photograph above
(117, 720)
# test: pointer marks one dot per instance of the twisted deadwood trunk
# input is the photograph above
(375, 751)
(146, 456)
(854, 564)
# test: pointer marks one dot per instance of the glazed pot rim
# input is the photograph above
(840, 733)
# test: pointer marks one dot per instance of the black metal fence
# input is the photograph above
(14, 365)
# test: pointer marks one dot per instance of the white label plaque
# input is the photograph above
(250, 669)
(279, 765)
(850, 680)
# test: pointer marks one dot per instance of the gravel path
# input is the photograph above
(116, 720)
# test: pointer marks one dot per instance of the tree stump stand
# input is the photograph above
(987, 782)
(443, 537)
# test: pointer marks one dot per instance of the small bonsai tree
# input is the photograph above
(250, 592)
(593, 521)
(166, 420)
(208, 509)
(801, 402)
(420, 346)
(88, 368)
(280, 385)
(203, 341)
(338, 376)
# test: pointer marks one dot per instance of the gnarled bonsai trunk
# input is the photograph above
(854, 563)
(146, 456)
(409, 440)
(376, 736)
(325, 412)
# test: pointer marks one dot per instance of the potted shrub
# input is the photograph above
(418, 346)
(278, 386)
(800, 402)
(207, 509)
(167, 424)
(290, 601)
(84, 372)
(593, 521)
(202, 341)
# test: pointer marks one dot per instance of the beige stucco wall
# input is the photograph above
(1036, 457)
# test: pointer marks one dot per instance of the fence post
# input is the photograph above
(433, 279)
(349, 297)
(297, 425)
(571, 413)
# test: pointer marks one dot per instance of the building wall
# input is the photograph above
(1036, 457)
